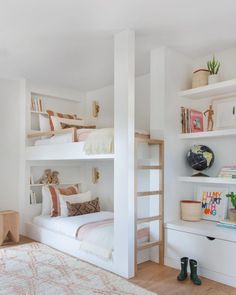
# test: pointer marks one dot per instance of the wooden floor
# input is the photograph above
(162, 280)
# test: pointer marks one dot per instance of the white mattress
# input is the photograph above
(69, 225)
(57, 139)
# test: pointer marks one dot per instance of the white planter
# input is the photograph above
(213, 79)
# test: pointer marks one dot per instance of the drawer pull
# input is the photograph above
(211, 238)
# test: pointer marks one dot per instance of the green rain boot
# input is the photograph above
(193, 276)
(183, 273)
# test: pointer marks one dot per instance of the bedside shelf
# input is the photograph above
(213, 180)
(209, 134)
(215, 90)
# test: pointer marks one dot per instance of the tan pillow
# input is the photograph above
(60, 115)
(55, 202)
(75, 209)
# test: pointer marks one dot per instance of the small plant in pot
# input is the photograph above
(232, 212)
(213, 68)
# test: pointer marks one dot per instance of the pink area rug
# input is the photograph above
(34, 268)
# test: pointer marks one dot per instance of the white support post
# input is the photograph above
(124, 222)
(157, 92)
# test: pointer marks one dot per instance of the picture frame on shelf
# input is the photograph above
(196, 121)
(214, 203)
(225, 113)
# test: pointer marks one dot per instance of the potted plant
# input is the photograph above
(232, 212)
(213, 68)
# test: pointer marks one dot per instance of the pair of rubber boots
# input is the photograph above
(193, 267)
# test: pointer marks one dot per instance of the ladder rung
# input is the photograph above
(149, 245)
(150, 141)
(150, 193)
(149, 219)
(150, 167)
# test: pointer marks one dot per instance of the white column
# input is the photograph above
(157, 92)
(124, 101)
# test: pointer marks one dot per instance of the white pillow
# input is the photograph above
(56, 121)
(46, 201)
(44, 124)
(78, 198)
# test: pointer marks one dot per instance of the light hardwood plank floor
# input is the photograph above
(162, 280)
(23, 240)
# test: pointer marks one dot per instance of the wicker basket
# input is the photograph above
(200, 78)
(191, 210)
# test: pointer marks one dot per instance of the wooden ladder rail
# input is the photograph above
(160, 193)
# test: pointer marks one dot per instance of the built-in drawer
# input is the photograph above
(212, 254)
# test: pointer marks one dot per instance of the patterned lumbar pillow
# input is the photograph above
(75, 209)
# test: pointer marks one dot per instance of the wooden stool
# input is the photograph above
(9, 226)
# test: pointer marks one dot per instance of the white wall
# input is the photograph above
(10, 93)
(105, 98)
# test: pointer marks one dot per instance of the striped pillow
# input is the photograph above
(55, 201)
(60, 115)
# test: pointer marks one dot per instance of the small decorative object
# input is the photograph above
(200, 157)
(210, 122)
(49, 177)
(213, 67)
(96, 109)
(232, 211)
(225, 112)
(55, 179)
(191, 210)
(95, 175)
(196, 121)
(200, 78)
(214, 205)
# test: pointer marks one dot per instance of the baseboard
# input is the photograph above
(209, 274)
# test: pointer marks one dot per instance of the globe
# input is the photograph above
(200, 157)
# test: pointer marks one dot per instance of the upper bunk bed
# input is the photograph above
(57, 131)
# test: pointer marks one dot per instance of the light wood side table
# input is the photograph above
(9, 226)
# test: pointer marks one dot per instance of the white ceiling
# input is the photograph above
(69, 42)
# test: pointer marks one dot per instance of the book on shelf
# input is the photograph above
(228, 172)
(33, 197)
(191, 120)
(227, 224)
(36, 103)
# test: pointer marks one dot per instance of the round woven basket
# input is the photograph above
(200, 78)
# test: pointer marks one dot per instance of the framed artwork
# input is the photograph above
(214, 202)
(225, 113)
(196, 121)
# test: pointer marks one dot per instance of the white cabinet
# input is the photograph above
(215, 256)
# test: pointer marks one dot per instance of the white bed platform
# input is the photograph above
(65, 244)
(66, 151)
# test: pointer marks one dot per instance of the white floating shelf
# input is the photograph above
(208, 134)
(39, 113)
(203, 228)
(213, 180)
(60, 184)
(215, 90)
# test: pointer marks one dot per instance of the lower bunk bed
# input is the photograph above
(88, 237)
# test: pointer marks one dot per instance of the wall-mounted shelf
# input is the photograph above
(39, 113)
(210, 180)
(215, 90)
(208, 134)
(60, 184)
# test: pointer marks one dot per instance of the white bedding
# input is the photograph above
(68, 225)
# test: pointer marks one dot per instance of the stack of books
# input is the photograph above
(228, 172)
(36, 103)
(191, 120)
(226, 223)
(33, 199)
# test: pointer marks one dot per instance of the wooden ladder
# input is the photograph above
(159, 192)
